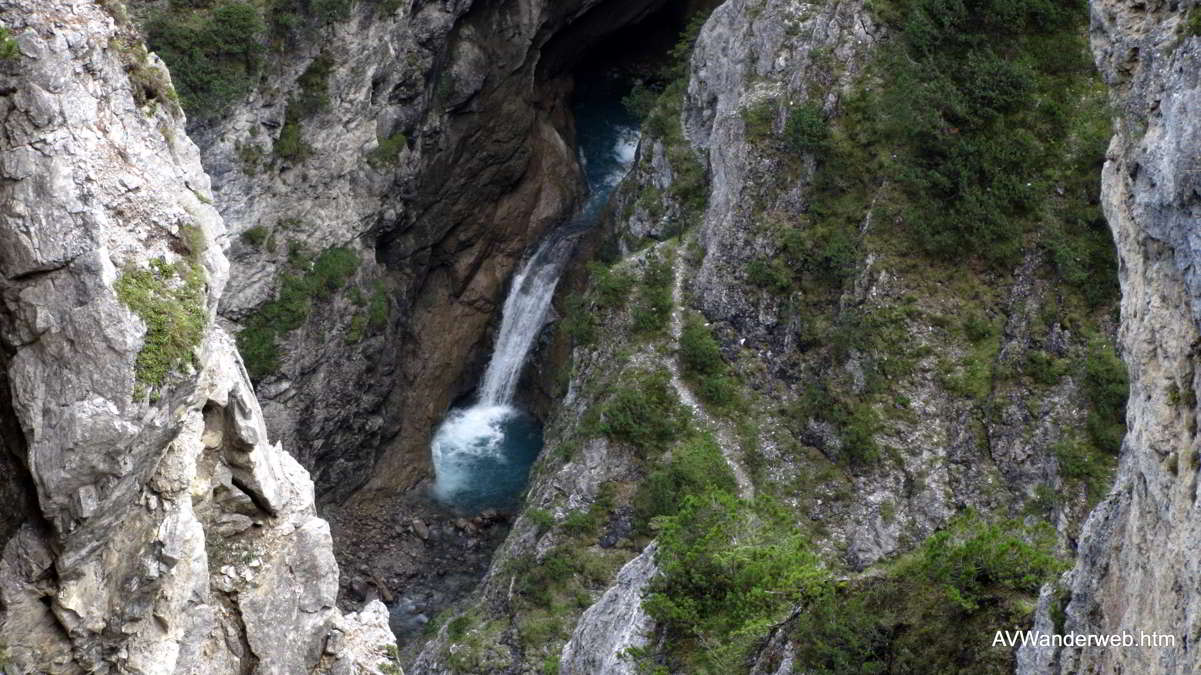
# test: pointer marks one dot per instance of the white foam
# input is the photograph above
(467, 434)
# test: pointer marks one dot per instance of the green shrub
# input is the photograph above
(579, 524)
(578, 320)
(1083, 463)
(640, 101)
(255, 236)
(806, 129)
(173, 303)
(611, 287)
(729, 571)
(215, 56)
(331, 269)
(760, 119)
(387, 153)
(1107, 386)
(1044, 368)
(694, 467)
(858, 435)
(292, 20)
(379, 309)
(820, 250)
(290, 146)
(971, 557)
(312, 95)
(653, 309)
(1192, 22)
(971, 122)
(538, 581)
(699, 353)
(458, 627)
(307, 281)
(703, 364)
(936, 610)
(978, 328)
(856, 422)
(542, 519)
(644, 412)
(772, 275)
(390, 6)
(9, 50)
(357, 329)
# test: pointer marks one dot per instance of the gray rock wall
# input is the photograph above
(156, 529)
(1137, 566)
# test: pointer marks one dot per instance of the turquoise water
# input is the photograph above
(486, 453)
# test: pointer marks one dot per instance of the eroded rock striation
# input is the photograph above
(148, 525)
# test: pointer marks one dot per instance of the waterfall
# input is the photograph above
(524, 313)
(534, 284)
(481, 453)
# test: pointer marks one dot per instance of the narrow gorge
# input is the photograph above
(598, 336)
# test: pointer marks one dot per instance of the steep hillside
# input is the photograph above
(838, 382)
(849, 298)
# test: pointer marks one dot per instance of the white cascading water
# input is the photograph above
(473, 445)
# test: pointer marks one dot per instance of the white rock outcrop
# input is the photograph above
(146, 527)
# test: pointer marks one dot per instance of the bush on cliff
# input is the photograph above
(214, 56)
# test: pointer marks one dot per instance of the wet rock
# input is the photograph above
(420, 528)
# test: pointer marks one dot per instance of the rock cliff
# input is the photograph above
(1136, 569)
(148, 524)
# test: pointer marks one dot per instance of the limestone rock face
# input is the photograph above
(147, 524)
(1137, 564)
(615, 623)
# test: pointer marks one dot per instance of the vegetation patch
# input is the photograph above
(255, 236)
(305, 281)
(729, 571)
(733, 570)
(172, 300)
(693, 467)
(378, 311)
(1192, 22)
(293, 20)
(806, 129)
(969, 580)
(703, 365)
(644, 412)
(652, 311)
(1107, 387)
(387, 153)
(608, 290)
(215, 55)
(9, 50)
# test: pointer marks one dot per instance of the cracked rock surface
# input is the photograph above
(146, 527)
